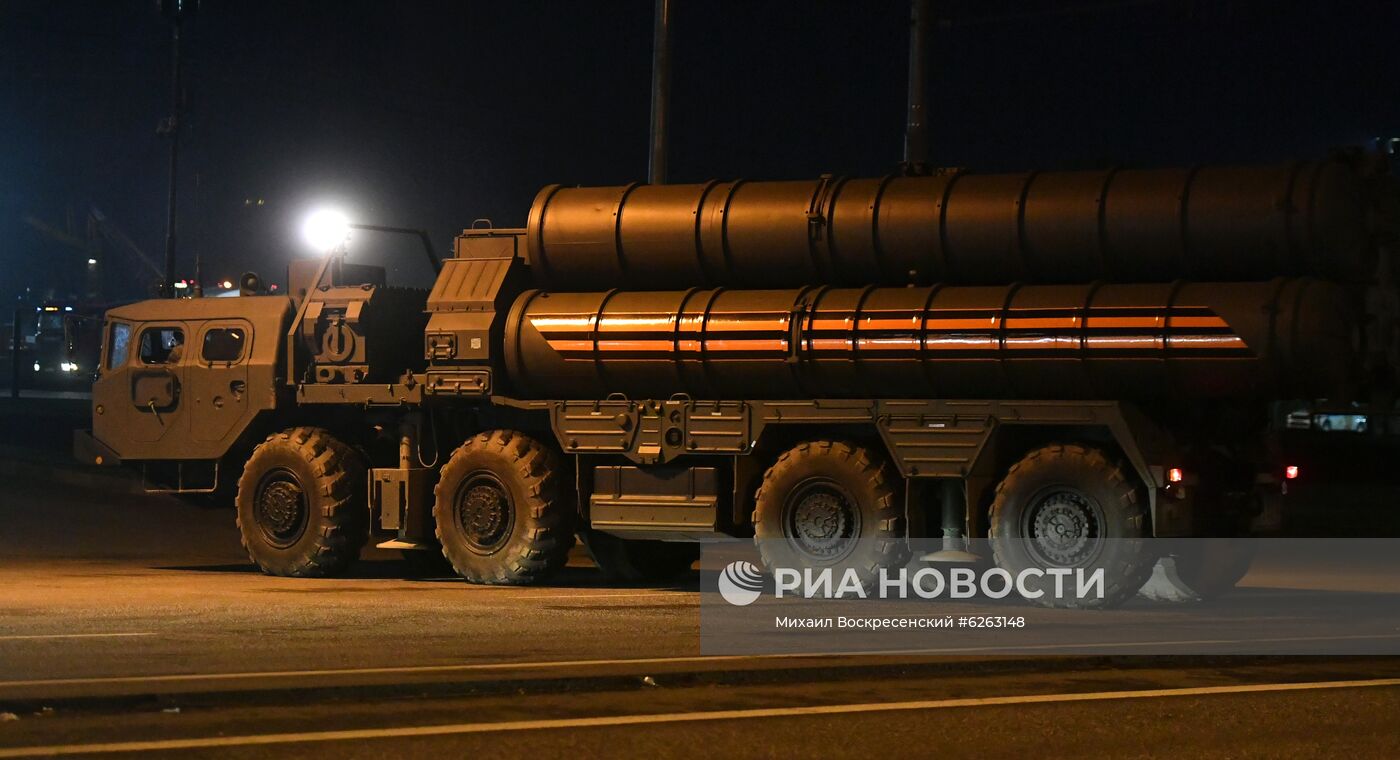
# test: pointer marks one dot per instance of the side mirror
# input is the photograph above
(250, 284)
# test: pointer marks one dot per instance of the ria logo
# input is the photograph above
(740, 583)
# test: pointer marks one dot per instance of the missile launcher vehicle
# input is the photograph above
(1049, 361)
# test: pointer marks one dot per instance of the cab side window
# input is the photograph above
(162, 345)
(119, 345)
(223, 344)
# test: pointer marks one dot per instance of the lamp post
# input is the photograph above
(916, 127)
(327, 230)
(660, 92)
(422, 236)
(174, 11)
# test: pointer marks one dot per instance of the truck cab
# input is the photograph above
(182, 380)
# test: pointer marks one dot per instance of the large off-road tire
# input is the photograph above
(501, 512)
(1214, 561)
(301, 504)
(1069, 506)
(1214, 566)
(629, 560)
(830, 504)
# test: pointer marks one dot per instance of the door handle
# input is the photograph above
(152, 405)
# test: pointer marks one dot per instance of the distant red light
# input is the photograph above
(1175, 475)
(1291, 472)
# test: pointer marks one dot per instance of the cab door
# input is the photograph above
(111, 395)
(156, 387)
(218, 378)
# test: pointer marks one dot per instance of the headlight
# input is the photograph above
(68, 367)
(36, 366)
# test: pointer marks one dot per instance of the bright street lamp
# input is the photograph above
(326, 230)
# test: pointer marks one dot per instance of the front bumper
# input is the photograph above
(89, 450)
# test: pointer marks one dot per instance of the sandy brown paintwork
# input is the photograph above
(1244, 223)
(208, 412)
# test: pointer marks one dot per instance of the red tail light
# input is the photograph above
(1291, 472)
(1175, 475)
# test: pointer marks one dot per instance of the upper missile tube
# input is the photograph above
(1211, 223)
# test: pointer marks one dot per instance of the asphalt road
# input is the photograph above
(156, 585)
(137, 622)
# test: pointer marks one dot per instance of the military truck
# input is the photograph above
(65, 343)
(1057, 362)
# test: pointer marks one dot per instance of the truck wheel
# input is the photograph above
(1213, 566)
(301, 504)
(1212, 563)
(830, 504)
(625, 560)
(1068, 506)
(501, 517)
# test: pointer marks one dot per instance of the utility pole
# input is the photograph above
(660, 92)
(174, 11)
(16, 343)
(916, 129)
(198, 289)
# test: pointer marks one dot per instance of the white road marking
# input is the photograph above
(32, 636)
(1011, 649)
(454, 729)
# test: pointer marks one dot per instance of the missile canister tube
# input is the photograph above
(1138, 341)
(1211, 223)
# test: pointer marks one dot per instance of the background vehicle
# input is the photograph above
(1061, 363)
(66, 343)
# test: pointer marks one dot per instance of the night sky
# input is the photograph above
(432, 114)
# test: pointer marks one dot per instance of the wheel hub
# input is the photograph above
(485, 514)
(822, 522)
(1064, 528)
(281, 509)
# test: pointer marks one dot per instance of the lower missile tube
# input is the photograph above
(1110, 341)
(1032, 342)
